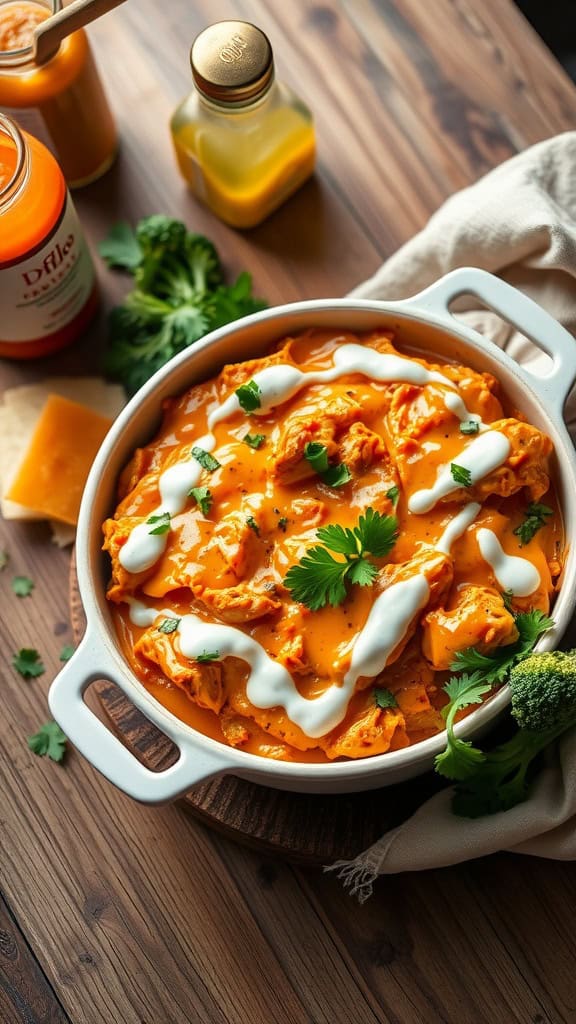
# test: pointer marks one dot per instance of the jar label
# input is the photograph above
(41, 294)
(30, 120)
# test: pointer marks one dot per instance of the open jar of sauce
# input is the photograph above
(244, 141)
(48, 290)
(61, 102)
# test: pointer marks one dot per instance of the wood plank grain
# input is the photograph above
(25, 994)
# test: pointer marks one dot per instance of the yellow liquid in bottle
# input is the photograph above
(243, 172)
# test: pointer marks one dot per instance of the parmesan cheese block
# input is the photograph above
(51, 477)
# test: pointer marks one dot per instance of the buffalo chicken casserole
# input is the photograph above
(312, 536)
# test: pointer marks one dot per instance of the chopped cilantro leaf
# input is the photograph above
(22, 586)
(383, 698)
(393, 494)
(535, 518)
(283, 523)
(337, 476)
(169, 625)
(203, 497)
(28, 663)
(249, 396)
(254, 440)
(160, 523)
(253, 525)
(206, 460)
(67, 652)
(461, 475)
(317, 455)
(49, 741)
(4, 556)
(207, 656)
(469, 427)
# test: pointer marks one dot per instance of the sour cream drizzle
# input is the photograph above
(457, 526)
(277, 384)
(512, 572)
(485, 453)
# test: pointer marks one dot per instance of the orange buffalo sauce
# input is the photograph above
(47, 284)
(202, 602)
(61, 102)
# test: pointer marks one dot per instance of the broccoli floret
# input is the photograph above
(543, 689)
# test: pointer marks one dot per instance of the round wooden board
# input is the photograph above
(301, 828)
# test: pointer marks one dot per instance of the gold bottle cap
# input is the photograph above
(232, 62)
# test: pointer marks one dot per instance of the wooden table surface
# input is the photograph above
(113, 912)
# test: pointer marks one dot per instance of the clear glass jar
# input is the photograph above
(48, 291)
(61, 102)
(244, 142)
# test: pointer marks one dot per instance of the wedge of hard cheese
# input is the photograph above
(51, 477)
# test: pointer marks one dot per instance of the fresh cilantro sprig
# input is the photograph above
(495, 666)
(461, 475)
(49, 741)
(320, 579)
(535, 518)
(461, 759)
(249, 396)
(480, 673)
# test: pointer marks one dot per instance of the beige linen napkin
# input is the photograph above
(519, 222)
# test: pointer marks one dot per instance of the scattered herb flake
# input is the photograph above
(507, 596)
(160, 522)
(249, 396)
(207, 656)
(383, 698)
(206, 460)
(283, 523)
(203, 497)
(461, 475)
(254, 440)
(535, 518)
(469, 427)
(393, 494)
(67, 652)
(253, 525)
(22, 586)
(317, 455)
(169, 625)
(4, 556)
(28, 663)
(337, 476)
(49, 741)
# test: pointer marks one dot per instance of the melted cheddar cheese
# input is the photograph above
(200, 600)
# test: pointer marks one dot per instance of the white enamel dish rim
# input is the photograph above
(99, 655)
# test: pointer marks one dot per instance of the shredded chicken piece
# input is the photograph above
(476, 618)
(201, 681)
(241, 603)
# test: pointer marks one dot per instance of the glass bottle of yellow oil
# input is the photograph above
(244, 142)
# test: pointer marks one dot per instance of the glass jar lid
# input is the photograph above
(232, 62)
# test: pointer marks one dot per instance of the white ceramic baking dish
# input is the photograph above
(423, 322)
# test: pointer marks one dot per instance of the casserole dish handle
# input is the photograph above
(527, 316)
(105, 751)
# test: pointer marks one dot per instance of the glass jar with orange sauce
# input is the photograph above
(48, 291)
(61, 102)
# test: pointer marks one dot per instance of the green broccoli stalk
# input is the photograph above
(179, 295)
(543, 696)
